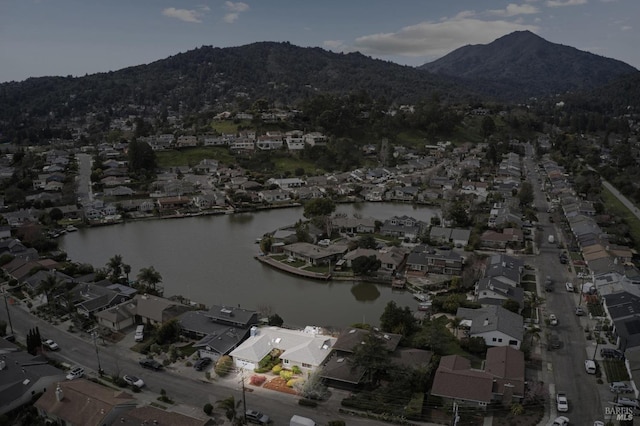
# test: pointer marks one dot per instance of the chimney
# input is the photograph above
(59, 393)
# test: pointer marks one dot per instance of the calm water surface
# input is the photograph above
(209, 259)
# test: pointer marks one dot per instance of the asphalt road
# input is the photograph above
(564, 366)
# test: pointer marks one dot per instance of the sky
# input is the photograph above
(78, 37)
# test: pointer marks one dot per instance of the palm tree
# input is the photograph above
(150, 277)
(115, 266)
(48, 285)
(229, 405)
(126, 269)
(455, 324)
(534, 333)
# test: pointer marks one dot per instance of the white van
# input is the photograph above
(139, 337)
(590, 366)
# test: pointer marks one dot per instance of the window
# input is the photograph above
(305, 365)
(494, 339)
(500, 340)
(513, 343)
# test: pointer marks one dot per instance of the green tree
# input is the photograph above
(372, 357)
(55, 214)
(398, 320)
(457, 213)
(488, 126)
(367, 242)
(115, 267)
(169, 332)
(49, 285)
(230, 408)
(319, 207)
(150, 278)
(275, 320)
(363, 265)
(511, 305)
(142, 159)
(526, 195)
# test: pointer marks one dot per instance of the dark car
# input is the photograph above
(202, 364)
(151, 364)
(611, 353)
(257, 417)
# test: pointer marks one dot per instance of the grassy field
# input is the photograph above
(290, 164)
(618, 209)
(192, 156)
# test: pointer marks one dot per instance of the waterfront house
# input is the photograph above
(118, 317)
(313, 254)
(307, 349)
(504, 268)
(496, 325)
(424, 259)
(490, 291)
(501, 381)
(82, 402)
(157, 310)
(403, 227)
(353, 225)
(219, 330)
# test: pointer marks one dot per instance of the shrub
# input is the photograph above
(296, 369)
(307, 402)
(276, 369)
(257, 380)
(291, 382)
(223, 366)
(208, 409)
(287, 375)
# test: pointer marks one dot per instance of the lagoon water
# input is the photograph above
(210, 260)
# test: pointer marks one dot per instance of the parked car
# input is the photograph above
(620, 387)
(75, 373)
(50, 344)
(561, 421)
(569, 286)
(628, 402)
(554, 341)
(151, 364)
(202, 364)
(579, 311)
(553, 320)
(133, 381)
(257, 417)
(609, 353)
(562, 402)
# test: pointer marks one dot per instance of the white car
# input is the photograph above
(563, 403)
(553, 320)
(628, 402)
(50, 344)
(75, 373)
(133, 381)
(561, 421)
(569, 286)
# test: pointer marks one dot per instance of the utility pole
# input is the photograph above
(4, 293)
(94, 334)
(456, 417)
(244, 399)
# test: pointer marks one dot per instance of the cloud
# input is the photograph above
(626, 28)
(434, 39)
(562, 3)
(514, 10)
(334, 44)
(186, 15)
(234, 9)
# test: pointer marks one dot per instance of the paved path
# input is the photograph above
(624, 200)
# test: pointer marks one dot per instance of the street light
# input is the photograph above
(94, 335)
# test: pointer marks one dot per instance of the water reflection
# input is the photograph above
(365, 292)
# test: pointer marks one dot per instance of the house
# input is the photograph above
(402, 227)
(457, 237)
(502, 380)
(490, 291)
(23, 375)
(509, 237)
(157, 310)
(90, 298)
(83, 402)
(353, 225)
(390, 259)
(496, 325)
(274, 196)
(219, 330)
(504, 268)
(339, 372)
(306, 349)
(424, 259)
(172, 203)
(118, 317)
(313, 254)
(150, 415)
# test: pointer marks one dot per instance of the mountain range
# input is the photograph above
(513, 68)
